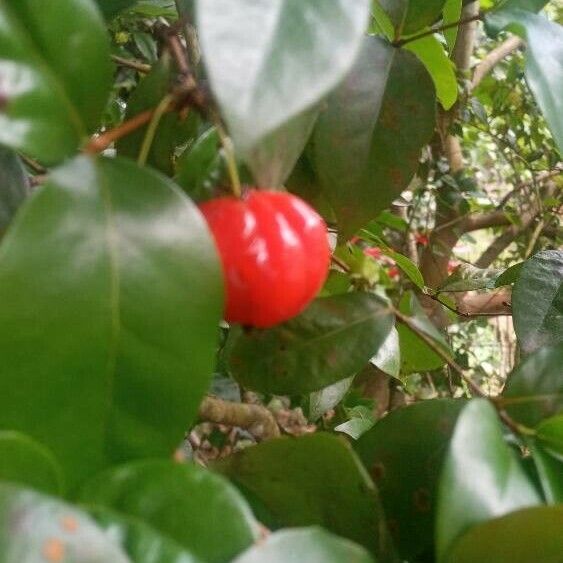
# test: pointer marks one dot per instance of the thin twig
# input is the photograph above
(131, 63)
(436, 29)
(340, 263)
(102, 142)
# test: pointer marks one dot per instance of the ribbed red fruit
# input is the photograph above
(275, 254)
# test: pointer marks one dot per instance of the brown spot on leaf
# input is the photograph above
(69, 523)
(53, 550)
(377, 471)
(422, 500)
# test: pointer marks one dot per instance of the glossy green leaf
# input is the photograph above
(200, 167)
(404, 453)
(525, 536)
(451, 14)
(24, 461)
(368, 140)
(550, 435)
(332, 340)
(322, 401)
(550, 472)
(36, 528)
(431, 54)
(544, 56)
(537, 301)
(105, 352)
(381, 23)
(510, 275)
(55, 75)
(254, 50)
(535, 388)
(388, 357)
(14, 186)
(313, 545)
(273, 159)
(172, 130)
(482, 476)
(357, 426)
(409, 16)
(469, 278)
(199, 510)
(407, 265)
(416, 355)
(141, 542)
(315, 479)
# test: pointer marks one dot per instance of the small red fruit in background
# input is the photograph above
(275, 254)
(373, 251)
(421, 239)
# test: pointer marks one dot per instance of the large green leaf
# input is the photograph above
(482, 476)
(535, 388)
(312, 480)
(172, 130)
(332, 340)
(388, 357)
(254, 51)
(550, 435)
(313, 545)
(432, 55)
(550, 472)
(544, 56)
(55, 75)
(537, 301)
(14, 186)
(24, 461)
(199, 510)
(409, 16)
(105, 351)
(404, 453)
(368, 140)
(140, 541)
(37, 529)
(416, 355)
(526, 536)
(452, 14)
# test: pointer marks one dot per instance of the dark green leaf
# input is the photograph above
(313, 545)
(196, 508)
(526, 536)
(368, 140)
(409, 16)
(105, 352)
(550, 435)
(254, 52)
(535, 388)
(431, 54)
(550, 472)
(140, 541)
(482, 476)
(55, 75)
(416, 355)
(404, 453)
(537, 301)
(24, 461)
(172, 129)
(510, 275)
(37, 529)
(110, 8)
(332, 340)
(200, 167)
(469, 278)
(388, 357)
(14, 186)
(544, 56)
(312, 480)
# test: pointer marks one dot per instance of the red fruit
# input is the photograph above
(275, 254)
(421, 239)
(373, 251)
(393, 272)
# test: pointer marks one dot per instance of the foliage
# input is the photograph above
(119, 118)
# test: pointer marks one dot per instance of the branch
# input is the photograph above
(437, 29)
(493, 58)
(131, 63)
(255, 418)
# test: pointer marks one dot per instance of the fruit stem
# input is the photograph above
(158, 114)
(228, 148)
